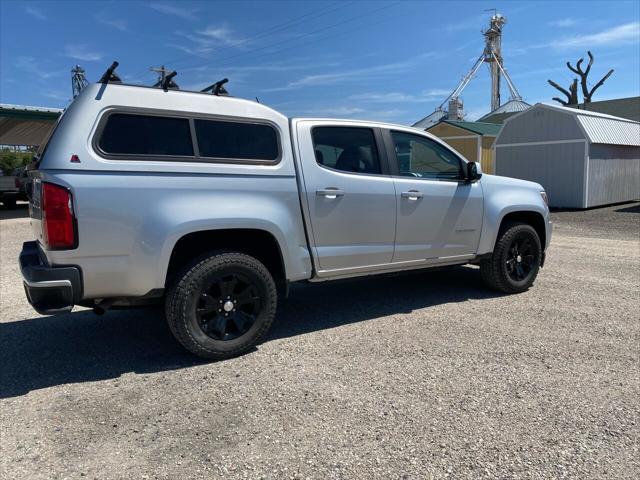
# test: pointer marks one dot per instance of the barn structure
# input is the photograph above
(583, 159)
(24, 125)
(509, 109)
(474, 140)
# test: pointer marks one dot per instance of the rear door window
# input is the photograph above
(237, 140)
(129, 134)
(348, 149)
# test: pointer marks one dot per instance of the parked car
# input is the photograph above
(214, 205)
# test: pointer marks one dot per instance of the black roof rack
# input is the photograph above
(217, 88)
(109, 75)
(167, 82)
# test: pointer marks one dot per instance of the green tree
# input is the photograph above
(10, 160)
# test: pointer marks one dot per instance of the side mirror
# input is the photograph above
(473, 172)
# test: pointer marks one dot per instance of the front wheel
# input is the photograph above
(515, 261)
(221, 305)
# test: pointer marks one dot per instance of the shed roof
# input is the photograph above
(25, 125)
(430, 119)
(598, 127)
(512, 106)
(620, 107)
(481, 128)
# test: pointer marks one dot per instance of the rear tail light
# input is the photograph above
(16, 182)
(58, 221)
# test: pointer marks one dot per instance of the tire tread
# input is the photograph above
(491, 269)
(187, 280)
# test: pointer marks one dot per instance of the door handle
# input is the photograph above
(412, 195)
(330, 193)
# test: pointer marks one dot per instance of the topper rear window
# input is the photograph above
(132, 134)
(236, 140)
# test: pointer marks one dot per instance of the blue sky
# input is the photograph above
(391, 61)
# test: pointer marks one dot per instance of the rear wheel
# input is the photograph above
(221, 305)
(515, 261)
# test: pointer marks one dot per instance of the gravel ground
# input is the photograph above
(426, 375)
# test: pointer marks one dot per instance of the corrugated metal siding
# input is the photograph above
(540, 124)
(609, 131)
(613, 151)
(613, 181)
(614, 174)
(559, 168)
(619, 107)
(15, 131)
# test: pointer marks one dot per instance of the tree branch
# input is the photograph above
(555, 85)
(586, 72)
(573, 69)
(599, 84)
(559, 100)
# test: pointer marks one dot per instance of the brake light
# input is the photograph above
(58, 220)
(16, 182)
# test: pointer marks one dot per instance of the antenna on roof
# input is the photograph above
(109, 75)
(217, 88)
(163, 73)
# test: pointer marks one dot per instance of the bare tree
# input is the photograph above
(572, 94)
(586, 93)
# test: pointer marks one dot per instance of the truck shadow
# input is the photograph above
(78, 347)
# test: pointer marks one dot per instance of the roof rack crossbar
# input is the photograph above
(168, 82)
(109, 75)
(217, 88)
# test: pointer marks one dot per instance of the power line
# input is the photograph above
(274, 29)
(258, 50)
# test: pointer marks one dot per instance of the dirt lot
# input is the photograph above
(426, 375)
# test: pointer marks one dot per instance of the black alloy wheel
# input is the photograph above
(228, 306)
(221, 304)
(521, 257)
(515, 261)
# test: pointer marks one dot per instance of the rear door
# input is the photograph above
(349, 192)
(439, 214)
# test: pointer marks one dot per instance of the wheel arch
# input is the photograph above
(258, 243)
(530, 217)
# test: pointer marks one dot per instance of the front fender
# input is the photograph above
(502, 199)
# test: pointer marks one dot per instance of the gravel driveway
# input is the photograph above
(426, 375)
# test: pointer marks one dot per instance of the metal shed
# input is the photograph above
(583, 159)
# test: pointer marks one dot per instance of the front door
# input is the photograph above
(350, 195)
(439, 215)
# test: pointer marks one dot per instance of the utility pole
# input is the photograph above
(78, 80)
(162, 73)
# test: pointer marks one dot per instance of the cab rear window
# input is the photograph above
(129, 134)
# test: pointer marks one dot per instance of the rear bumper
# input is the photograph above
(49, 289)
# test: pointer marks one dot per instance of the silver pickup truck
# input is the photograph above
(213, 205)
